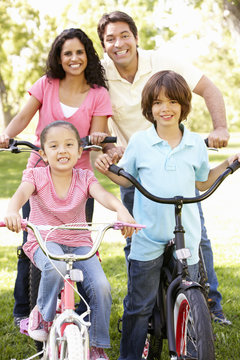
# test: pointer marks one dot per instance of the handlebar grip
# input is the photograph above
(115, 169)
(109, 139)
(234, 166)
(2, 224)
(206, 142)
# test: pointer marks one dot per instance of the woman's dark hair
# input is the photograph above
(58, 123)
(115, 16)
(175, 88)
(94, 72)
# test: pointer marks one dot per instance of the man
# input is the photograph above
(127, 70)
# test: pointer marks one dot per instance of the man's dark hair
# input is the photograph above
(115, 16)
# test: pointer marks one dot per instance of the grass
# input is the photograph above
(222, 220)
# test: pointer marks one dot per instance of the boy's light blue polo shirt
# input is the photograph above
(165, 172)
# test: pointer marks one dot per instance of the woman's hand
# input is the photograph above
(13, 221)
(4, 141)
(97, 138)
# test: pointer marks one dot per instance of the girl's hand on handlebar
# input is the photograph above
(124, 216)
(13, 221)
(231, 159)
(97, 138)
(103, 162)
(4, 141)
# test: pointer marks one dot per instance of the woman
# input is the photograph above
(73, 89)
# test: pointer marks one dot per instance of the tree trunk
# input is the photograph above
(7, 109)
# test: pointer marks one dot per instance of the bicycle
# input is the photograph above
(181, 313)
(68, 337)
(19, 146)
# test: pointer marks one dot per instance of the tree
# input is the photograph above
(23, 45)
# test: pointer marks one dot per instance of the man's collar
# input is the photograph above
(144, 66)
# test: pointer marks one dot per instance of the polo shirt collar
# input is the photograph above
(187, 139)
(144, 66)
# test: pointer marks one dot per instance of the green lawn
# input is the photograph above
(222, 217)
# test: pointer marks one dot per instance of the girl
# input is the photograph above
(73, 89)
(58, 194)
(168, 160)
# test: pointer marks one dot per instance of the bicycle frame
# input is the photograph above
(67, 305)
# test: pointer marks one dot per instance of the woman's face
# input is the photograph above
(73, 57)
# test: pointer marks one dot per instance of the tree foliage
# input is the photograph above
(23, 48)
(25, 38)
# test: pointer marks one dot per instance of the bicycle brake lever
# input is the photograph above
(13, 147)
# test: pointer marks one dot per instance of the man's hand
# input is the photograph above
(218, 138)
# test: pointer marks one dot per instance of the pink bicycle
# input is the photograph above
(68, 337)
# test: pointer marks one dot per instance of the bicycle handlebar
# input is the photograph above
(100, 229)
(86, 144)
(177, 199)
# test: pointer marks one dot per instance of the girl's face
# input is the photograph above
(73, 57)
(166, 111)
(61, 149)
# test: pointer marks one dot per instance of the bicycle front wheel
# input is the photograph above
(73, 347)
(193, 327)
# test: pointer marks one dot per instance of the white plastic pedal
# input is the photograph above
(76, 275)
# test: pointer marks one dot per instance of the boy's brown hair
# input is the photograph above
(175, 87)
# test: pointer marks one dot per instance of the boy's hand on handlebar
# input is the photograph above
(4, 141)
(231, 159)
(124, 216)
(218, 138)
(115, 152)
(13, 221)
(103, 162)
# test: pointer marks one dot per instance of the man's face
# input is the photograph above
(120, 44)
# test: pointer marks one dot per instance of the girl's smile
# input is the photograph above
(61, 148)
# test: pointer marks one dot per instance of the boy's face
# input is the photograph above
(166, 111)
(120, 44)
(61, 149)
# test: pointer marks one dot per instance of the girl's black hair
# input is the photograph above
(58, 123)
(94, 72)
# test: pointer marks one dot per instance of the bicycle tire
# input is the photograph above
(193, 328)
(73, 344)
